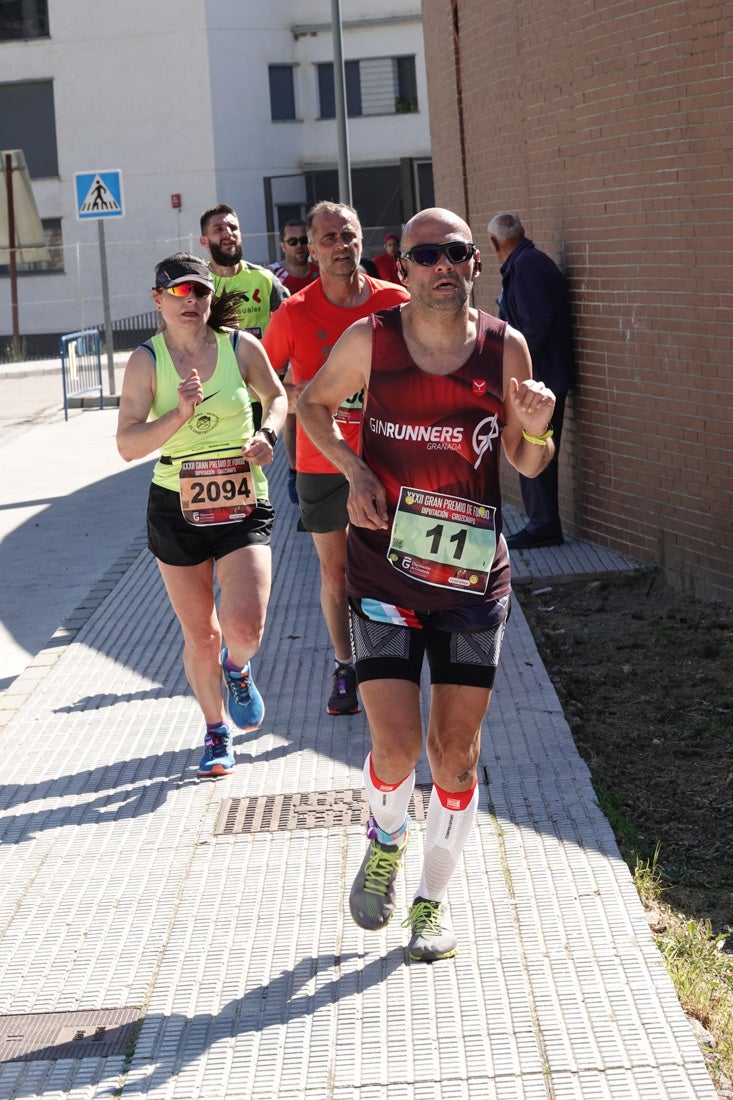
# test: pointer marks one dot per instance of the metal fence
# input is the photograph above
(127, 333)
(81, 365)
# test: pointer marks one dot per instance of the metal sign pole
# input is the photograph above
(108, 336)
(339, 85)
(12, 259)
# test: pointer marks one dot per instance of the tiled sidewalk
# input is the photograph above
(195, 937)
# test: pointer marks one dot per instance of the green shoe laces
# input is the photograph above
(424, 918)
(380, 870)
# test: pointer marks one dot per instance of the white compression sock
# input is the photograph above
(388, 801)
(448, 823)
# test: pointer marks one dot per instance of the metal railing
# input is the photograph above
(81, 366)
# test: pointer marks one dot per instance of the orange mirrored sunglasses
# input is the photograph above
(184, 290)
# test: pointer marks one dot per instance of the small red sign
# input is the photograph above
(176, 202)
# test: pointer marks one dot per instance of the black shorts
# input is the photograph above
(469, 658)
(322, 499)
(176, 542)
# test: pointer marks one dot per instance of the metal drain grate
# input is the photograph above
(46, 1036)
(274, 813)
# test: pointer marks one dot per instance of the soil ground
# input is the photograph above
(645, 677)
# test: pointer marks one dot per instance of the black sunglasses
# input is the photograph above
(292, 241)
(427, 255)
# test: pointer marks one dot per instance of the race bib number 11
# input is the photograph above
(444, 541)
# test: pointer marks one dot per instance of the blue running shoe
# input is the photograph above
(218, 758)
(244, 702)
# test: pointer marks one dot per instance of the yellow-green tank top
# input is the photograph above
(221, 423)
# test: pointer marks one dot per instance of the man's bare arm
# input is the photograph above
(345, 372)
(528, 405)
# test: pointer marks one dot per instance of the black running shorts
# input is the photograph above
(385, 651)
(176, 542)
(323, 499)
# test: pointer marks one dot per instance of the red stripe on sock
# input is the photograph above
(385, 788)
(457, 800)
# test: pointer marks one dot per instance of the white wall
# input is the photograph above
(175, 94)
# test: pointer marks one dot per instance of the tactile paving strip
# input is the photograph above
(305, 810)
(46, 1036)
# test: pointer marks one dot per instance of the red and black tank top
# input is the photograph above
(434, 443)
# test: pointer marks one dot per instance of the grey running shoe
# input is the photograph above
(432, 938)
(372, 898)
(343, 699)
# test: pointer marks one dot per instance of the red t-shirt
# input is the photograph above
(386, 265)
(294, 283)
(303, 331)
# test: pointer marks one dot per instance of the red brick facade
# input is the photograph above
(609, 130)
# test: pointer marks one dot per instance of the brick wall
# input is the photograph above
(609, 130)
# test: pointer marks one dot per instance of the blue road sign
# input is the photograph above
(99, 194)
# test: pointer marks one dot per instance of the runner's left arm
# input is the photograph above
(257, 371)
(528, 408)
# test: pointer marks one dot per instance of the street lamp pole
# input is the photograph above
(339, 84)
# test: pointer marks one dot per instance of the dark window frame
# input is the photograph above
(327, 89)
(28, 122)
(15, 26)
(282, 96)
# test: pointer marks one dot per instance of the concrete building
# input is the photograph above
(607, 128)
(193, 102)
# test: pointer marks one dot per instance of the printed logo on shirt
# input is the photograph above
(479, 386)
(485, 432)
(204, 423)
(435, 435)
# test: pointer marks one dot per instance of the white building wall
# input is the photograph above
(175, 94)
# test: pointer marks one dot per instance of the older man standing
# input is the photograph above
(535, 300)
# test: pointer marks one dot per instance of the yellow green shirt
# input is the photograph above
(221, 423)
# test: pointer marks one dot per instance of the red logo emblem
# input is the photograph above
(479, 386)
(256, 296)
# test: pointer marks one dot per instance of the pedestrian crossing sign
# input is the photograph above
(99, 194)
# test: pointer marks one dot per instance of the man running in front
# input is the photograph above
(427, 565)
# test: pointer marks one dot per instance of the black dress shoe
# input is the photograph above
(528, 540)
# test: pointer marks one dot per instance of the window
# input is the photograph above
(406, 101)
(327, 93)
(374, 86)
(282, 93)
(28, 122)
(23, 19)
(54, 242)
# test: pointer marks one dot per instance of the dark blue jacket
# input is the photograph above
(535, 300)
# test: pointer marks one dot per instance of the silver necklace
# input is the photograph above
(180, 355)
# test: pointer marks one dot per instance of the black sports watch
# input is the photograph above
(271, 436)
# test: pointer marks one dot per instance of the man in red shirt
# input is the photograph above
(386, 263)
(296, 270)
(302, 333)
